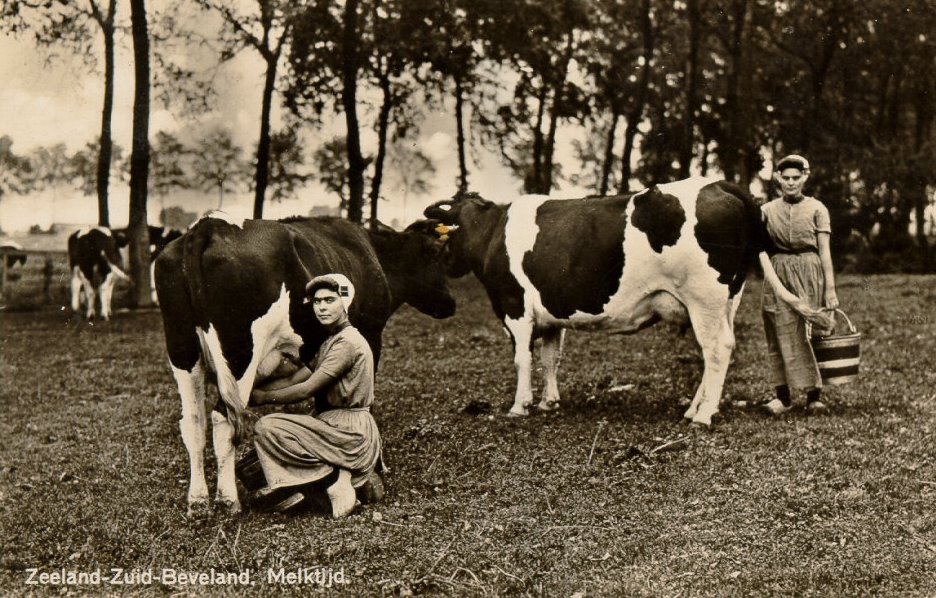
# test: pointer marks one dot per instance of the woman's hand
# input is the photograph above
(258, 397)
(831, 299)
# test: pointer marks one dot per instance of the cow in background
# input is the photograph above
(159, 238)
(96, 265)
(231, 294)
(678, 252)
(14, 253)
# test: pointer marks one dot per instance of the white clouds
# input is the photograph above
(440, 146)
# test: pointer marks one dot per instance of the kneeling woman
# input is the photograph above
(295, 450)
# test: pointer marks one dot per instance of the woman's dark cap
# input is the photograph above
(793, 161)
(326, 282)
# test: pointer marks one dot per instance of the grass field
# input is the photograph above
(614, 495)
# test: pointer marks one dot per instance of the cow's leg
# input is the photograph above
(223, 437)
(76, 285)
(715, 334)
(89, 297)
(521, 331)
(153, 296)
(550, 356)
(107, 292)
(193, 427)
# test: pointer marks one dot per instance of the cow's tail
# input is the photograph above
(118, 272)
(196, 242)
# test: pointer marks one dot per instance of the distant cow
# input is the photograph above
(159, 238)
(677, 252)
(231, 294)
(14, 253)
(96, 265)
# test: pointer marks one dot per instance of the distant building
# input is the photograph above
(318, 211)
(177, 218)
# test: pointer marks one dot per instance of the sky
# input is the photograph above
(43, 103)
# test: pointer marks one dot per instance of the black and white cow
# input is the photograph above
(96, 265)
(14, 252)
(231, 295)
(678, 252)
(159, 238)
(11, 253)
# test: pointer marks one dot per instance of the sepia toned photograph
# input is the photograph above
(546, 298)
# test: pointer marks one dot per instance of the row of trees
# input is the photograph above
(215, 164)
(661, 88)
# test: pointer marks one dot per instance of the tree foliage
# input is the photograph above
(288, 171)
(71, 27)
(219, 165)
(653, 90)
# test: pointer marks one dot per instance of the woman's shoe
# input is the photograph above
(341, 494)
(372, 490)
(816, 407)
(279, 500)
(776, 407)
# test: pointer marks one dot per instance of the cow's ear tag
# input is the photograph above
(442, 231)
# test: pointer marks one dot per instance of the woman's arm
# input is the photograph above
(825, 256)
(299, 391)
(299, 375)
(771, 278)
(818, 318)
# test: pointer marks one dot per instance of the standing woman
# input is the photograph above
(295, 450)
(799, 227)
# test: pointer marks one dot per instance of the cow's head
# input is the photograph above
(472, 221)
(413, 264)
(160, 237)
(121, 237)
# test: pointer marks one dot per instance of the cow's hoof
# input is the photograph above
(701, 423)
(518, 412)
(198, 509)
(548, 405)
(228, 507)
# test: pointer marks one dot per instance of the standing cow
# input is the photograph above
(159, 238)
(677, 252)
(96, 265)
(231, 295)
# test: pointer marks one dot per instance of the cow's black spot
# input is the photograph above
(660, 216)
(578, 258)
(727, 230)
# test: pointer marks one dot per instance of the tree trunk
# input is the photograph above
(262, 175)
(732, 156)
(533, 179)
(356, 164)
(692, 84)
(609, 153)
(383, 125)
(139, 159)
(546, 183)
(819, 71)
(460, 135)
(636, 113)
(924, 158)
(106, 143)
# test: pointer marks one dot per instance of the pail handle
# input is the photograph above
(851, 327)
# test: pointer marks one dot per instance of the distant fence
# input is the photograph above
(42, 280)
